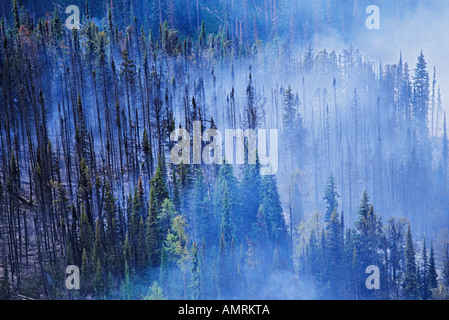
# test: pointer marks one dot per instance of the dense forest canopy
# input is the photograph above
(87, 117)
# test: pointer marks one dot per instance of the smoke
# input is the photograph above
(424, 28)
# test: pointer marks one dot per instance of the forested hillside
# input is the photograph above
(87, 177)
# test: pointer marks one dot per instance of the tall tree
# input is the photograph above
(421, 93)
(410, 284)
(330, 197)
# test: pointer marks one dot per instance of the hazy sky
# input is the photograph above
(426, 29)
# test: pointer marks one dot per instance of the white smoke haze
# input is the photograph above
(426, 29)
(339, 130)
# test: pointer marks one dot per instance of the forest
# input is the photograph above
(87, 177)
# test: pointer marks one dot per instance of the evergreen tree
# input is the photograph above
(226, 180)
(432, 273)
(15, 16)
(261, 237)
(294, 131)
(99, 286)
(153, 236)
(72, 186)
(176, 196)
(334, 247)
(196, 273)
(313, 259)
(81, 132)
(425, 291)
(410, 284)
(85, 273)
(395, 233)
(156, 293)
(98, 254)
(202, 211)
(126, 289)
(86, 236)
(166, 216)
(202, 37)
(112, 236)
(56, 27)
(226, 225)
(330, 197)
(141, 250)
(164, 269)
(146, 148)
(421, 92)
(127, 257)
(139, 199)
(250, 197)
(271, 203)
(369, 235)
(159, 187)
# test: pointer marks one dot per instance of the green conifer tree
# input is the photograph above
(153, 231)
(196, 273)
(410, 284)
(99, 286)
(432, 274)
(202, 210)
(330, 197)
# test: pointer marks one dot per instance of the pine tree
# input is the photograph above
(176, 196)
(159, 187)
(99, 286)
(85, 273)
(425, 292)
(98, 253)
(261, 237)
(166, 216)
(226, 179)
(432, 273)
(153, 236)
(330, 197)
(156, 293)
(15, 16)
(141, 250)
(126, 289)
(250, 197)
(271, 203)
(81, 132)
(176, 243)
(313, 260)
(334, 247)
(410, 284)
(85, 192)
(395, 233)
(86, 239)
(421, 92)
(127, 256)
(139, 199)
(112, 235)
(57, 27)
(226, 225)
(202, 211)
(369, 235)
(223, 268)
(196, 274)
(202, 37)
(164, 269)
(146, 148)
(294, 131)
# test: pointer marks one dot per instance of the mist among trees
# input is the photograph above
(86, 176)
